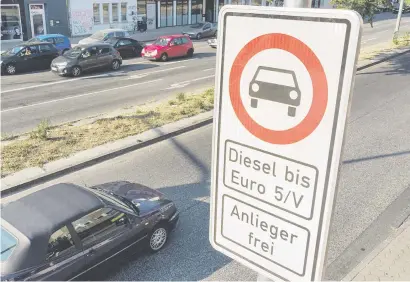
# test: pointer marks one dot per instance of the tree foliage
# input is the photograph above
(366, 8)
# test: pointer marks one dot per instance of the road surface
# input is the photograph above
(373, 197)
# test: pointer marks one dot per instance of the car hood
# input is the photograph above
(88, 40)
(153, 47)
(132, 191)
(63, 59)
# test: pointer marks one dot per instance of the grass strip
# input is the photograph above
(46, 143)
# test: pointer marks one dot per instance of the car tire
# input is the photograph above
(190, 53)
(157, 238)
(199, 36)
(76, 71)
(291, 111)
(254, 103)
(115, 65)
(164, 57)
(11, 69)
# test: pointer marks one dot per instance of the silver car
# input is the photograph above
(201, 30)
(104, 35)
(86, 58)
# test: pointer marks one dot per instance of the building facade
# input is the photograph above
(13, 25)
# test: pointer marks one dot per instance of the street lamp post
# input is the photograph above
(396, 30)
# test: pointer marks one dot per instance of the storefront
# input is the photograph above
(11, 21)
(179, 12)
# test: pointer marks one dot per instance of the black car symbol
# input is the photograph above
(276, 85)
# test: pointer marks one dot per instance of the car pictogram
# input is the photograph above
(276, 85)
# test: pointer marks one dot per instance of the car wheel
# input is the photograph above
(254, 103)
(164, 57)
(199, 36)
(291, 111)
(76, 71)
(115, 65)
(11, 69)
(190, 53)
(158, 237)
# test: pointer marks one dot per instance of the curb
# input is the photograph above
(376, 251)
(105, 156)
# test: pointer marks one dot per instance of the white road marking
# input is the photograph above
(175, 62)
(187, 82)
(81, 95)
(209, 69)
(148, 73)
(367, 40)
(61, 81)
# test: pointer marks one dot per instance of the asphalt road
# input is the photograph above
(383, 29)
(373, 193)
(29, 98)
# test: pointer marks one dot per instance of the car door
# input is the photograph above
(104, 56)
(124, 46)
(172, 48)
(207, 30)
(28, 57)
(88, 60)
(137, 47)
(106, 232)
(64, 257)
(47, 53)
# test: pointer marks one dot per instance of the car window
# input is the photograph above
(104, 50)
(275, 77)
(29, 50)
(93, 51)
(45, 48)
(161, 41)
(8, 244)
(184, 40)
(51, 40)
(59, 40)
(99, 225)
(109, 35)
(60, 242)
(119, 34)
(177, 41)
(207, 26)
(124, 42)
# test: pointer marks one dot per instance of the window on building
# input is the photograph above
(106, 16)
(114, 10)
(96, 12)
(142, 8)
(10, 22)
(123, 12)
(99, 225)
(60, 242)
(196, 11)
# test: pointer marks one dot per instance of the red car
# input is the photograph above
(166, 47)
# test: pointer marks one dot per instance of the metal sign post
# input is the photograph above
(282, 96)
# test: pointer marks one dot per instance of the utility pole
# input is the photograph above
(396, 30)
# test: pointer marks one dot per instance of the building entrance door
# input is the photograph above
(37, 19)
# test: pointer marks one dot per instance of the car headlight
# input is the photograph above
(293, 95)
(255, 87)
(154, 53)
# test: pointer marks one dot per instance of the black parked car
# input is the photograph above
(88, 57)
(127, 47)
(28, 57)
(63, 231)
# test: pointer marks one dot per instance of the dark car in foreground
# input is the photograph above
(28, 57)
(63, 231)
(127, 47)
(83, 58)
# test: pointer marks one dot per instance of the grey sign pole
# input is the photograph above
(289, 4)
(396, 30)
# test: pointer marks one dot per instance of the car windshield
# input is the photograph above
(275, 77)
(115, 200)
(14, 50)
(74, 52)
(162, 41)
(98, 35)
(35, 39)
(198, 25)
(8, 244)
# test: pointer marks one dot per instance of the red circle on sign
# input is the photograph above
(317, 75)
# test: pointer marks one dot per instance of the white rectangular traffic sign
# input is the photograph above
(283, 86)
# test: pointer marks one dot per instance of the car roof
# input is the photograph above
(41, 213)
(50, 35)
(173, 36)
(95, 44)
(34, 43)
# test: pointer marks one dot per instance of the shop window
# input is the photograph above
(166, 13)
(10, 22)
(123, 12)
(106, 16)
(196, 11)
(114, 10)
(142, 8)
(96, 12)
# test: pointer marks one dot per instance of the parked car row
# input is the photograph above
(103, 49)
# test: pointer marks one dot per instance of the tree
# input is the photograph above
(366, 8)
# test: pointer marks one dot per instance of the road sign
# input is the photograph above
(283, 85)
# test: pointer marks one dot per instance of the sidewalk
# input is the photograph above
(149, 35)
(390, 261)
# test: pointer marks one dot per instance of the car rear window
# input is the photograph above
(59, 40)
(275, 77)
(8, 244)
